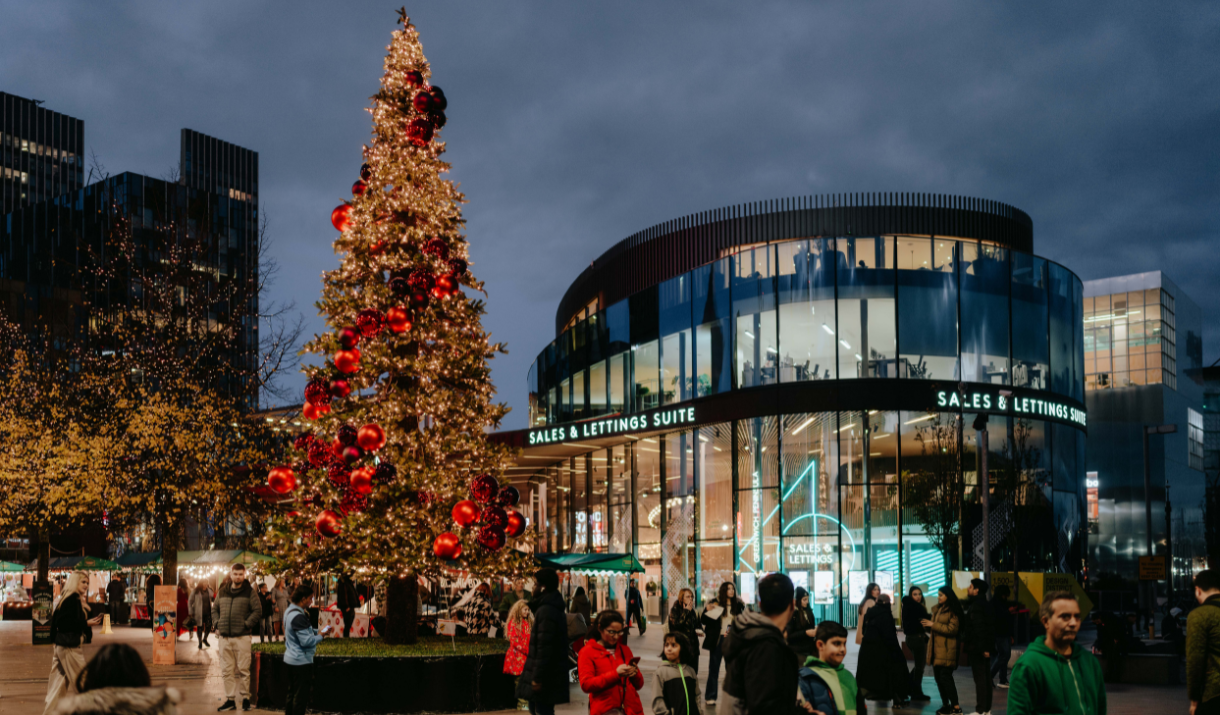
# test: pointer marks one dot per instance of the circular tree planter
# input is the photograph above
(367, 676)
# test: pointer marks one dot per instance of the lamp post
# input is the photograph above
(1149, 430)
(980, 426)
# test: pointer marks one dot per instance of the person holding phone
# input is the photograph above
(70, 623)
(609, 671)
(300, 642)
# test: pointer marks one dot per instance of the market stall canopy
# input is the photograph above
(216, 557)
(591, 563)
(10, 566)
(77, 563)
(138, 559)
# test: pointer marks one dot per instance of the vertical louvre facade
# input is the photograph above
(41, 153)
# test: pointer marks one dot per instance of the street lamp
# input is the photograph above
(1149, 430)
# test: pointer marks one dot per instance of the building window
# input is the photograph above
(1093, 509)
(1194, 439)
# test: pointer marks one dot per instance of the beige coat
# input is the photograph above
(942, 646)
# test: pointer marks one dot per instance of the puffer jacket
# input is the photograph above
(238, 611)
(122, 701)
(547, 661)
(942, 648)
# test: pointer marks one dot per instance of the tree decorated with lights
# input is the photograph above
(397, 478)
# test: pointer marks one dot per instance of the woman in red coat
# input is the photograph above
(607, 671)
(184, 601)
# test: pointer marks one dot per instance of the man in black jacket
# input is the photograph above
(979, 637)
(544, 678)
(347, 601)
(116, 593)
(760, 669)
(635, 608)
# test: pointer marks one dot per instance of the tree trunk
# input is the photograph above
(172, 533)
(44, 555)
(401, 610)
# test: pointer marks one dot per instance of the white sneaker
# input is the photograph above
(1002, 686)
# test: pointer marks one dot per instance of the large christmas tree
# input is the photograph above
(398, 478)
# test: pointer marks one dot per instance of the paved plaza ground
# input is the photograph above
(24, 669)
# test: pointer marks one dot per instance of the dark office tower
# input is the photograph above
(41, 153)
(217, 166)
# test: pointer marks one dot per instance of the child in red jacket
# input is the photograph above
(609, 672)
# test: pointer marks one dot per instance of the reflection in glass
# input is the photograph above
(714, 340)
(927, 320)
(754, 315)
(1030, 303)
(647, 361)
(985, 285)
(866, 334)
(677, 367)
(806, 310)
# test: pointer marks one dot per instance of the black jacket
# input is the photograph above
(346, 595)
(978, 627)
(547, 660)
(881, 671)
(799, 640)
(1004, 621)
(685, 622)
(912, 613)
(69, 623)
(150, 584)
(760, 669)
(711, 626)
(116, 591)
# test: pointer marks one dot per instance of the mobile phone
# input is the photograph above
(635, 660)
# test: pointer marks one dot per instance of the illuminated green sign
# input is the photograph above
(997, 401)
(610, 426)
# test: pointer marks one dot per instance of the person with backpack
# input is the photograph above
(609, 671)
(238, 612)
(675, 687)
(544, 679)
(943, 646)
(978, 634)
(826, 686)
(301, 640)
(1056, 676)
(760, 668)
(1203, 646)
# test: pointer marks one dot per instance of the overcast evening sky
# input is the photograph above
(575, 124)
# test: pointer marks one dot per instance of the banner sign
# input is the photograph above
(1003, 401)
(165, 624)
(40, 612)
(614, 425)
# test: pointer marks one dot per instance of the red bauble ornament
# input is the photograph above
(508, 496)
(336, 449)
(439, 102)
(413, 78)
(302, 442)
(384, 473)
(347, 361)
(349, 338)
(419, 301)
(319, 452)
(377, 248)
(421, 280)
(340, 388)
(447, 546)
(484, 488)
(346, 435)
(328, 524)
(282, 480)
(495, 516)
(466, 513)
(423, 102)
(366, 172)
(419, 132)
(437, 247)
(313, 412)
(370, 321)
(457, 266)
(338, 474)
(491, 538)
(371, 438)
(445, 287)
(341, 217)
(400, 286)
(516, 524)
(317, 392)
(362, 481)
(353, 502)
(352, 454)
(359, 188)
(398, 319)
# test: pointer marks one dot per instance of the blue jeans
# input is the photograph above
(713, 673)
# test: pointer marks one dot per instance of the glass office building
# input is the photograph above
(761, 388)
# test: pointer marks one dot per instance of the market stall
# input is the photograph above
(605, 577)
(16, 599)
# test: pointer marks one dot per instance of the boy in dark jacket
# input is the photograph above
(979, 638)
(826, 686)
(760, 673)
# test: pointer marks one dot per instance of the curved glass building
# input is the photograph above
(793, 386)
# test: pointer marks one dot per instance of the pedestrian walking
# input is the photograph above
(301, 640)
(70, 622)
(826, 686)
(609, 671)
(716, 618)
(1203, 646)
(635, 608)
(580, 604)
(267, 604)
(347, 601)
(201, 611)
(871, 592)
(544, 679)
(802, 627)
(1056, 676)
(116, 681)
(1003, 612)
(682, 619)
(914, 613)
(150, 587)
(517, 627)
(183, 606)
(238, 612)
(480, 618)
(944, 625)
(116, 594)
(978, 635)
(675, 685)
(881, 671)
(760, 669)
(281, 596)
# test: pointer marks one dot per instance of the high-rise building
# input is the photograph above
(1143, 342)
(41, 153)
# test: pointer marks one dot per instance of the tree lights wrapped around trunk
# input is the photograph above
(399, 415)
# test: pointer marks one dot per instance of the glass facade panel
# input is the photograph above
(807, 310)
(927, 318)
(678, 564)
(598, 381)
(754, 316)
(1030, 305)
(1063, 333)
(712, 311)
(985, 280)
(867, 338)
(677, 367)
(647, 363)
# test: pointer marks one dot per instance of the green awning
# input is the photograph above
(596, 563)
(10, 566)
(94, 563)
(135, 559)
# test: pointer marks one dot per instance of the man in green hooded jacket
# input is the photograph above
(1055, 676)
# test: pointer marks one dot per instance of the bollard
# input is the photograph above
(106, 623)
